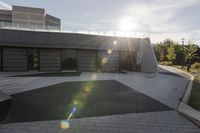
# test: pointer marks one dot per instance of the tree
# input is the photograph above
(170, 50)
(190, 52)
(170, 53)
(162, 56)
(197, 59)
(179, 54)
(160, 49)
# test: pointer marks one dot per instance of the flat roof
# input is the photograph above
(43, 39)
(28, 9)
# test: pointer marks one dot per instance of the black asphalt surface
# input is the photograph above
(91, 99)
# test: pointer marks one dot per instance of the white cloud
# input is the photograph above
(157, 18)
(5, 6)
(157, 14)
(89, 15)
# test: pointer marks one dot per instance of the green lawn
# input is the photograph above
(194, 100)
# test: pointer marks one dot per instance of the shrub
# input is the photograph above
(196, 65)
(167, 63)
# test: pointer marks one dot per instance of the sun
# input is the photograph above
(127, 24)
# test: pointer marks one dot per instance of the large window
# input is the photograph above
(128, 60)
(69, 60)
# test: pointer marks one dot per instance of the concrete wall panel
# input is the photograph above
(1, 35)
(50, 60)
(110, 62)
(27, 9)
(14, 59)
(12, 36)
(28, 38)
(0, 59)
(127, 60)
(86, 60)
(37, 17)
(56, 38)
(148, 59)
(20, 16)
(42, 38)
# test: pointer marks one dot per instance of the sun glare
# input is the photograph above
(127, 24)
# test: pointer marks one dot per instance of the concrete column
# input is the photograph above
(146, 57)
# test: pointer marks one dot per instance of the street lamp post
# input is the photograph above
(183, 40)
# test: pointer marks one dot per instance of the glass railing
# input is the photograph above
(9, 25)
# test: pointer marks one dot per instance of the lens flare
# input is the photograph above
(94, 77)
(65, 124)
(78, 102)
(109, 51)
(75, 102)
(115, 42)
(70, 115)
(88, 87)
(104, 60)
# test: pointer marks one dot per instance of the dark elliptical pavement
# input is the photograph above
(92, 99)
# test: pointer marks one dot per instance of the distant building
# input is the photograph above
(5, 15)
(29, 17)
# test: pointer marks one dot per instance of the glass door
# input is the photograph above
(33, 59)
(69, 60)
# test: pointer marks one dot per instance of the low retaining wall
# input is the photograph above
(183, 107)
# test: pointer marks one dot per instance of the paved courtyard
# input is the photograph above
(165, 87)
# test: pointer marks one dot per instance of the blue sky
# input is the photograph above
(159, 19)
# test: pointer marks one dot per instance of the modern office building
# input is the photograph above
(28, 17)
(22, 50)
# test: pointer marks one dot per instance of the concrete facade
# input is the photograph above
(50, 60)
(14, 59)
(90, 52)
(52, 21)
(86, 60)
(148, 61)
(29, 17)
(5, 15)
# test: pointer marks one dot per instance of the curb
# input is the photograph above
(183, 108)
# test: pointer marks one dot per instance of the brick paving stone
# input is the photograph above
(111, 125)
(32, 128)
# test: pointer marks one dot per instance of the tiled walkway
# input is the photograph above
(167, 89)
(156, 122)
